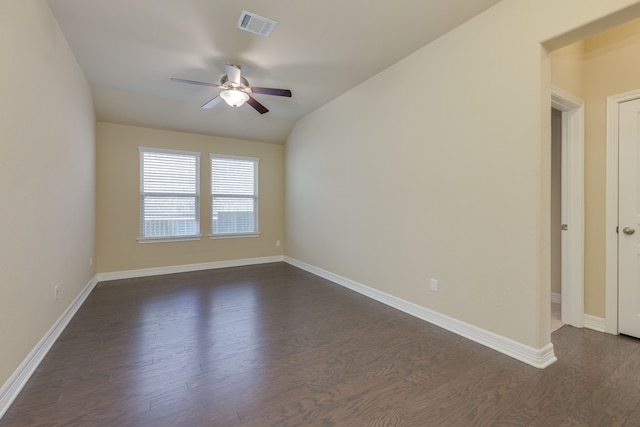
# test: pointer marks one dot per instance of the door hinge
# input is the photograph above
(617, 228)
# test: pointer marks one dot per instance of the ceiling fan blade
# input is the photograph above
(212, 103)
(271, 91)
(193, 82)
(233, 73)
(255, 104)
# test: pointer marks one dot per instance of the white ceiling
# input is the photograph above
(129, 49)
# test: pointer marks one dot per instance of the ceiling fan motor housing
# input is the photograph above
(224, 81)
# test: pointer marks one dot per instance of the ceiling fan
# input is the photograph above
(236, 90)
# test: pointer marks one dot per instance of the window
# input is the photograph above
(234, 196)
(169, 194)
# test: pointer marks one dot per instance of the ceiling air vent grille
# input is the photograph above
(255, 23)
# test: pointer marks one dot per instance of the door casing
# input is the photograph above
(572, 110)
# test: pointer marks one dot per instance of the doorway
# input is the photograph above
(571, 296)
(613, 210)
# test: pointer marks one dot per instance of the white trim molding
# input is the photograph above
(537, 357)
(156, 271)
(145, 240)
(10, 389)
(233, 235)
(572, 109)
(595, 323)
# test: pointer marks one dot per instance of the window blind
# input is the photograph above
(169, 193)
(234, 195)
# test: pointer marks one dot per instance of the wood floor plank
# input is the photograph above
(272, 345)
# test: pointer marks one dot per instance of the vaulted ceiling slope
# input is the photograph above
(129, 49)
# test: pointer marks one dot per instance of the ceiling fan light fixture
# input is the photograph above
(234, 97)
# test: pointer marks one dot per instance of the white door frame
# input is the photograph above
(572, 110)
(611, 213)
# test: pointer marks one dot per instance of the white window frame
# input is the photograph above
(169, 238)
(256, 232)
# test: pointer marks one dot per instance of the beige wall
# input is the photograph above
(118, 198)
(567, 68)
(451, 182)
(47, 179)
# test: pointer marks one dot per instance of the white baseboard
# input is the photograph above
(537, 357)
(556, 298)
(144, 272)
(10, 389)
(595, 323)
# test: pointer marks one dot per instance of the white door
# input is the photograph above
(629, 218)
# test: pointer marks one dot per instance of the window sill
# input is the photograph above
(232, 236)
(168, 239)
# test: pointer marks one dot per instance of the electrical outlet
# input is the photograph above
(56, 293)
(278, 243)
(90, 261)
(434, 285)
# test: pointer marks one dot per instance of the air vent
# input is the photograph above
(255, 23)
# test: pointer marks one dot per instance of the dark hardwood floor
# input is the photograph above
(272, 345)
